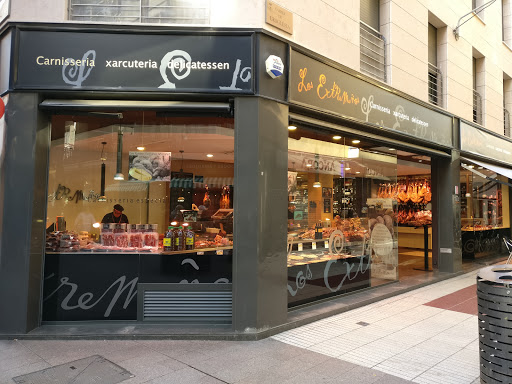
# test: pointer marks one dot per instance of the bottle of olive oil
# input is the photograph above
(179, 239)
(190, 239)
(169, 239)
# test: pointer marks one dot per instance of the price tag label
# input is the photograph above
(300, 247)
(220, 252)
(326, 244)
(313, 245)
(200, 253)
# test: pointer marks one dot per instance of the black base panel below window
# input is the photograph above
(81, 286)
(210, 267)
(483, 243)
(307, 283)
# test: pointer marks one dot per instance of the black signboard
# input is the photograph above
(134, 62)
(478, 142)
(313, 83)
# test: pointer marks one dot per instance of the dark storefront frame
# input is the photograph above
(261, 116)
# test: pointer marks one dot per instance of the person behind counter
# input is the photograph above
(291, 210)
(116, 216)
(176, 214)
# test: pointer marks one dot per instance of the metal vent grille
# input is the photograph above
(198, 306)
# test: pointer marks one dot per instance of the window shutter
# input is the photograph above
(370, 13)
(432, 45)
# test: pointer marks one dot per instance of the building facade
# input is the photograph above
(383, 127)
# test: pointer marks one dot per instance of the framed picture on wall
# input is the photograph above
(327, 205)
(326, 192)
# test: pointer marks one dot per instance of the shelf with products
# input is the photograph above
(300, 199)
(344, 196)
(413, 196)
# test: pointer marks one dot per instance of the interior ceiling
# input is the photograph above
(175, 134)
(409, 163)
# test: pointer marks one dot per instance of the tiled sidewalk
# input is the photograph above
(429, 335)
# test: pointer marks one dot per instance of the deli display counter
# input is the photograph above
(327, 261)
(90, 278)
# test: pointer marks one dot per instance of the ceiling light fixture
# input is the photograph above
(140, 148)
(356, 141)
(336, 137)
(292, 127)
(119, 173)
(317, 184)
(102, 175)
(347, 169)
(209, 155)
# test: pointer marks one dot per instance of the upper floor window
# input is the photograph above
(478, 89)
(477, 4)
(141, 11)
(435, 85)
(507, 22)
(372, 42)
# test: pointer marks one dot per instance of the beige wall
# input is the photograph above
(331, 28)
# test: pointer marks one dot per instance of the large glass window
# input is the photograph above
(118, 181)
(342, 232)
(484, 209)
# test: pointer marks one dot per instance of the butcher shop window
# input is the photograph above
(483, 204)
(161, 170)
(340, 225)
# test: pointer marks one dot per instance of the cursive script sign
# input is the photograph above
(324, 87)
(88, 300)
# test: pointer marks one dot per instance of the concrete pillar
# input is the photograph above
(260, 219)
(23, 198)
(446, 236)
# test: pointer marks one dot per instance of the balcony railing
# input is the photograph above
(373, 52)
(477, 108)
(435, 85)
(141, 11)
(506, 122)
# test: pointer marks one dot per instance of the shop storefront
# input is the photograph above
(484, 191)
(159, 165)
(362, 168)
(129, 141)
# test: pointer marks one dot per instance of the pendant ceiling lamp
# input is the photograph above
(316, 184)
(119, 170)
(103, 158)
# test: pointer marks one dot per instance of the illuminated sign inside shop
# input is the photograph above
(318, 85)
(66, 194)
(121, 62)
